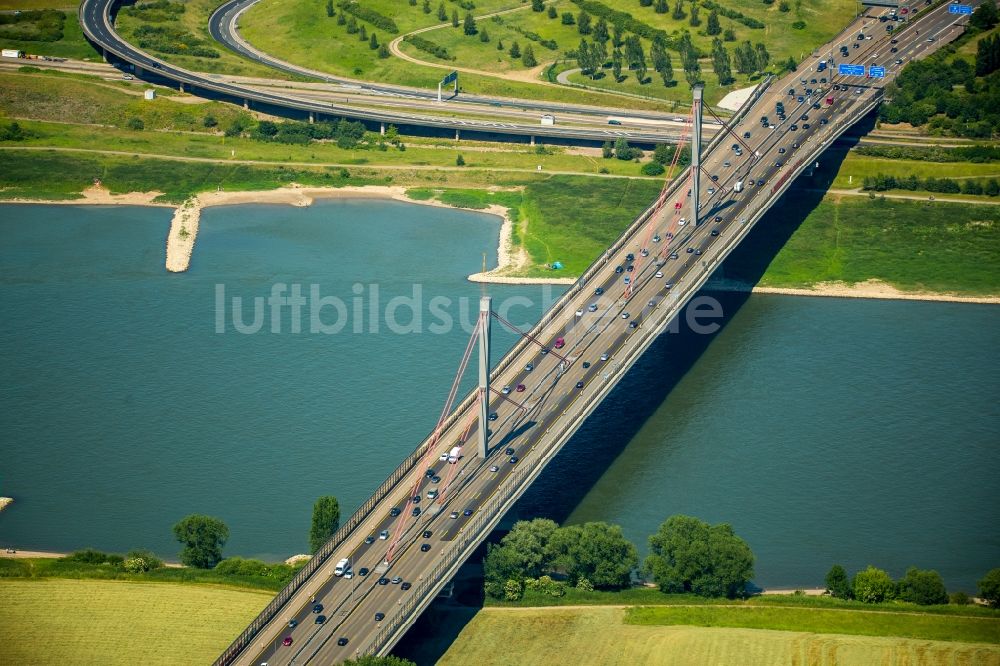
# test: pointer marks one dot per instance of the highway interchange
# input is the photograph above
(534, 422)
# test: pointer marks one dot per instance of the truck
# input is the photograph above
(455, 455)
(738, 187)
(342, 566)
(12, 53)
(548, 119)
(821, 66)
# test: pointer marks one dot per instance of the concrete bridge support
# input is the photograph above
(485, 317)
(246, 103)
(698, 90)
(457, 135)
(381, 129)
(312, 117)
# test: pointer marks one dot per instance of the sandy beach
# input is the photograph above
(872, 288)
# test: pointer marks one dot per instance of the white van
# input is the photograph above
(341, 567)
(455, 455)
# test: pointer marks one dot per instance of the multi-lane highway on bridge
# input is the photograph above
(606, 324)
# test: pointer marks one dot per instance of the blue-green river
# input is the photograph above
(822, 429)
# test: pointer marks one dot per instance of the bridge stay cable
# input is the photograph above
(529, 337)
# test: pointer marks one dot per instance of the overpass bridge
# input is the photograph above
(563, 368)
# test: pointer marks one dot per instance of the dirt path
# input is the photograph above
(857, 192)
(509, 609)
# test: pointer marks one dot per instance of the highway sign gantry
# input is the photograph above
(959, 9)
(850, 70)
(876, 72)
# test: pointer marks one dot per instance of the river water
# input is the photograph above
(823, 430)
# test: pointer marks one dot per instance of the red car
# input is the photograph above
(287, 641)
(520, 388)
(560, 343)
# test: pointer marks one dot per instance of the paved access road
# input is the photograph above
(363, 616)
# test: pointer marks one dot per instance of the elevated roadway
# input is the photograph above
(606, 325)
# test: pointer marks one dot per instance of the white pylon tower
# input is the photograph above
(485, 317)
(698, 89)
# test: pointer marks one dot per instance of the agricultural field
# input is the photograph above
(112, 622)
(592, 635)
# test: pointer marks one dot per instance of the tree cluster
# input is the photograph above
(689, 555)
(988, 55)
(595, 552)
(751, 58)
(919, 586)
(882, 183)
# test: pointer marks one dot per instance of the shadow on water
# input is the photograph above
(604, 435)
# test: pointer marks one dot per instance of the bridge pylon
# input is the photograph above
(485, 317)
(696, 109)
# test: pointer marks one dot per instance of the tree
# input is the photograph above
(688, 555)
(372, 660)
(551, 12)
(484, 36)
(442, 13)
(873, 586)
(373, 42)
(363, 34)
(203, 538)
(694, 21)
(329, 8)
(985, 16)
(837, 582)
(729, 35)
(583, 23)
(500, 565)
(538, 5)
(597, 552)
(713, 27)
(209, 121)
(763, 57)
(515, 50)
(568, 19)
(989, 587)
(607, 150)
(427, 7)
(460, 161)
(383, 51)
(661, 7)
(678, 14)
(529, 543)
(601, 35)
(469, 26)
(720, 63)
(616, 64)
(528, 59)
(325, 521)
(352, 25)
(454, 18)
(341, 19)
(135, 123)
(622, 150)
(924, 587)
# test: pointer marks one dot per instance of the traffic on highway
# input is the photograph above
(589, 341)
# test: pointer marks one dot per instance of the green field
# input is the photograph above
(72, 45)
(601, 636)
(109, 622)
(857, 167)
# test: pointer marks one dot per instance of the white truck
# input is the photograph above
(455, 455)
(342, 566)
(12, 53)
(738, 187)
(548, 119)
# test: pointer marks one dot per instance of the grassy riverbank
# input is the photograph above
(45, 622)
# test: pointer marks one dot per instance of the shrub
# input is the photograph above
(459, 161)
(427, 46)
(873, 586)
(989, 587)
(369, 16)
(652, 169)
(87, 556)
(923, 587)
(512, 590)
(959, 598)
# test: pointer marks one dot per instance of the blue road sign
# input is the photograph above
(876, 72)
(959, 9)
(448, 79)
(850, 70)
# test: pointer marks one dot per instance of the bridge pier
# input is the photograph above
(457, 135)
(312, 117)
(485, 309)
(180, 86)
(246, 103)
(698, 89)
(381, 129)
(532, 141)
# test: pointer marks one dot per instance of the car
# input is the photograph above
(443, 456)
(746, 135)
(659, 274)
(711, 191)
(816, 105)
(697, 252)
(777, 163)
(795, 145)
(416, 499)
(673, 255)
(363, 571)
(631, 324)
(349, 574)
(424, 547)
(628, 280)
(715, 232)
(505, 390)
(342, 641)
(598, 291)
(805, 116)
(812, 81)
(396, 580)
(791, 91)
(893, 50)
(619, 269)
(823, 80)
(793, 127)
(529, 367)
(726, 164)
(750, 183)
(614, 122)
(416, 511)
(781, 151)
(579, 313)
(625, 315)
(592, 307)
(406, 585)
(629, 257)
(320, 619)
(467, 512)
(930, 39)
(630, 268)
(379, 617)
(856, 45)
(736, 146)
(690, 250)
(429, 473)
(579, 385)
(129, 77)
(644, 252)
(801, 99)
(434, 479)
(809, 92)
(899, 61)
(394, 511)
(586, 364)
(317, 608)
(681, 222)
(287, 641)
(760, 182)
(370, 539)
(453, 515)
(715, 178)
(509, 451)
(657, 238)
(512, 461)
(859, 91)
(383, 535)
(427, 534)
(157, 65)
(520, 388)
(493, 416)
(668, 285)
(494, 468)
(805, 126)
